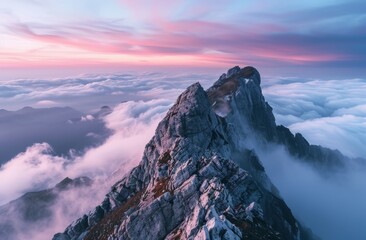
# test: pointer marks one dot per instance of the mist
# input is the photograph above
(68, 206)
(332, 207)
(132, 123)
(329, 113)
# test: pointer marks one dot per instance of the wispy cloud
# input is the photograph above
(133, 124)
(198, 34)
(201, 40)
(331, 207)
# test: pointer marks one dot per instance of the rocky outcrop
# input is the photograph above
(198, 178)
(324, 159)
(237, 96)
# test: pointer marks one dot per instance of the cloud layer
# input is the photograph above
(133, 124)
(332, 207)
(327, 112)
(90, 92)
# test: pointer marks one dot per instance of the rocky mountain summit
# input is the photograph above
(199, 177)
(249, 109)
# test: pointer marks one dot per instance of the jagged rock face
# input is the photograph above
(187, 185)
(237, 96)
(324, 159)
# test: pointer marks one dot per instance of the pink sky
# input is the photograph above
(93, 34)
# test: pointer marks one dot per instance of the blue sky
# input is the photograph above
(312, 38)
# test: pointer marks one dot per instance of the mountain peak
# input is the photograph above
(236, 72)
(190, 100)
(187, 118)
(238, 97)
(68, 183)
(197, 178)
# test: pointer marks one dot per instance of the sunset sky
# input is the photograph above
(279, 37)
(84, 84)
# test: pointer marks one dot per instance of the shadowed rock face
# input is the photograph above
(197, 180)
(219, 94)
(237, 97)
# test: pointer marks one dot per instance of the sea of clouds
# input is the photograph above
(90, 92)
(331, 113)
(139, 102)
(133, 124)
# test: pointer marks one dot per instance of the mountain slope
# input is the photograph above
(34, 209)
(199, 177)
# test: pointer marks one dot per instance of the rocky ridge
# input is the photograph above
(199, 178)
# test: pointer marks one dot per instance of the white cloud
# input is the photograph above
(34, 168)
(346, 133)
(89, 92)
(87, 118)
(133, 124)
(331, 113)
(46, 103)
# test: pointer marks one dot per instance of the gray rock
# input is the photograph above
(188, 185)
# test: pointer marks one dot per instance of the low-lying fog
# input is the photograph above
(327, 112)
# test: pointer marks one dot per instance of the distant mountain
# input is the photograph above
(200, 177)
(34, 209)
(104, 111)
(63, 128)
